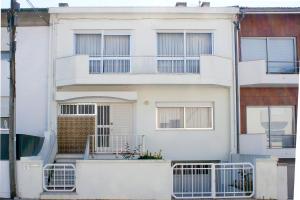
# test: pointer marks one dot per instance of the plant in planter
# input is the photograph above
(130, 153)
(151, 156)
(247, 184)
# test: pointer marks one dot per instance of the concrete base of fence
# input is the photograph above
(29, 175)
(123, 179)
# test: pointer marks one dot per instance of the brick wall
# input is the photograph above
(72, 133)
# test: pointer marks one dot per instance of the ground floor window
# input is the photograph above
(185, 117)
(278, 122)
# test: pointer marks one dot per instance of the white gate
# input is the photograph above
(213, 180)
(59, 177)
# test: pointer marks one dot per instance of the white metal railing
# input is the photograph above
(154, 64)
(59, 177)
(117, 144)
(211, 180)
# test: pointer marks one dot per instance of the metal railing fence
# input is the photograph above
(59, 177)
(211, 180)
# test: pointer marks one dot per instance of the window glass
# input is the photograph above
(4, 122)
(253, 49)
(198, 117)
(281, 55)
(198, 43)
(170, 44)
(170, 117)
(116, 45)
(281, 120)
(88, 44)
(257, 120)
(4, 109)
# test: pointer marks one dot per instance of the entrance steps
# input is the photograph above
(68, 158)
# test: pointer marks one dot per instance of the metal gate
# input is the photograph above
(59, 177)
(213, 180)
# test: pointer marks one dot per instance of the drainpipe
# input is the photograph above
(237, 86)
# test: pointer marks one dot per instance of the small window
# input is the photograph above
(77, 109)
(185, 117)
(4, 122)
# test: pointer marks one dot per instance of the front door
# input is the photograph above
(103, 127)
(113, 127)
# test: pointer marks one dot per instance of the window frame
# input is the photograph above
(184, 58)
(294, 127)
(77, 109)
(184, 118)
(102, 57)
(267, 38)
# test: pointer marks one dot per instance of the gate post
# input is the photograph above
(213, 180)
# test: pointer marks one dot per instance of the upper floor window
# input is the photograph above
(180, 52)
(279, 52)
(108, 53)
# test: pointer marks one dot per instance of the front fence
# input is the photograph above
(59, 177)
(210, 180)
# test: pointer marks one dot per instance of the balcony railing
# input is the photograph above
(117, 144)
(281, 141)
(102, 65)
(282, 67)
(82, 69)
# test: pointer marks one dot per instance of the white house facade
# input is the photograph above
(165, 74)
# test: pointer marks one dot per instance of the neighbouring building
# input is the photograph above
(268, 78)
(32, 63)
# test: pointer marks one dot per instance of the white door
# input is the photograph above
(113, 127)
(121, 119)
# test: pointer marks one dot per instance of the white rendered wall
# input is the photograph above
(29, 175)
(4, 179)
(178, 144)
(31, 78)
(123, 179)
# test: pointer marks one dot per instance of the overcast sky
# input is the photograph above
(250, 3)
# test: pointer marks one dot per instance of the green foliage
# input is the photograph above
(151, 156)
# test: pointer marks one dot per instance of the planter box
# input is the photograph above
(123, 179)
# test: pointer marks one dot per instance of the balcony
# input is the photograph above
(283, 146)
(262, 73)
(85, 70)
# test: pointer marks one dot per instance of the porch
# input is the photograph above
(102, 130)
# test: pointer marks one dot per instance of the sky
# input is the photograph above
(217, 3)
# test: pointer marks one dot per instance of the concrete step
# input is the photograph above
(68, 158)
(58, 195)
